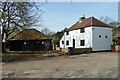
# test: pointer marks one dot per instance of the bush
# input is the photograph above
(56, 41)
(115, 41)
(87, 51)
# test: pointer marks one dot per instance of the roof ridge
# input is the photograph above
(33, 31)
(72, 25)
(41, 33)
(78, 22)
(103, 22)
(19, 33)
(91, 21)
(16, 34)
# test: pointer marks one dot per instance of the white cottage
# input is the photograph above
(88, 33)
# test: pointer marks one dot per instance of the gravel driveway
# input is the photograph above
(93, 65)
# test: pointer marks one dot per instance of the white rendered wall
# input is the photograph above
(75, 34)
(100, 44)
(91, 37)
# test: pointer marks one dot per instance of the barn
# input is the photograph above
(29, 40)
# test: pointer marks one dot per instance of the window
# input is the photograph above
(67, 33)
(62, 42)
(99, 36)
(38, 42)
(25, 43)
(105, 36)
(42, 42)
(82, 30)
(67, 42)
(82, 42)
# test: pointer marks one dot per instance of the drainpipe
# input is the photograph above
(64, 40)
(64, 36)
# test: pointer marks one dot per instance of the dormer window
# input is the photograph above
(67, 33)
(82, 30)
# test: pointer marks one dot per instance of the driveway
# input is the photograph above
(93, 65)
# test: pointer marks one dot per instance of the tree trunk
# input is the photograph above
(4, 42)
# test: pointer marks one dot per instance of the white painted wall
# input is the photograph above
(75, 34)
(91, 37)
(100, 44)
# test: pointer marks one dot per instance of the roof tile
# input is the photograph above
(91, 21)
(29, 34)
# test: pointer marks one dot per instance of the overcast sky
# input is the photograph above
(59, 15)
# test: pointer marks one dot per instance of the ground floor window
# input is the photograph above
(99, 36)
(67, 42)
(82, 42)
(25, 43)
(62, 42)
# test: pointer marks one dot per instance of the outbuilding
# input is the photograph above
(29, 40)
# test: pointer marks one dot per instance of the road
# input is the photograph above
(93, 65)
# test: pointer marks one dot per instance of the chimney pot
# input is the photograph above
(81, 19)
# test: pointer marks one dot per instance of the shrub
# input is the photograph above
(87, 51)
(56, 41)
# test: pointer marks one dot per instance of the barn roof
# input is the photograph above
(91, 21)
(29, 34)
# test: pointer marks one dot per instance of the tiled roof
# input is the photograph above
(117, 35)
(91, 21)
(29, 34)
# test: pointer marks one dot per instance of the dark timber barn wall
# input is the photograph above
(29, 40)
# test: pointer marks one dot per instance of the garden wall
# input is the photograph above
(77, 50)
(82, 50)
(64, 50)
(115, 47)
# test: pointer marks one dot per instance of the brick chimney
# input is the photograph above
(81, 19)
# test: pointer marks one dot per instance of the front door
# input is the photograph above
(73, 43)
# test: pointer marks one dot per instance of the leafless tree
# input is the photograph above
(106, 19)
(47, 31)
(16, 16)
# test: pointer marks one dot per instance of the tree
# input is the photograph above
(116, 41)
(57, 37)
(16, 16)
(47, 32)
(116, 27)
(56, 41)
(114, 24)
(106, 19)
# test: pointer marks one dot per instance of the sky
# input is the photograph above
(59, 15)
